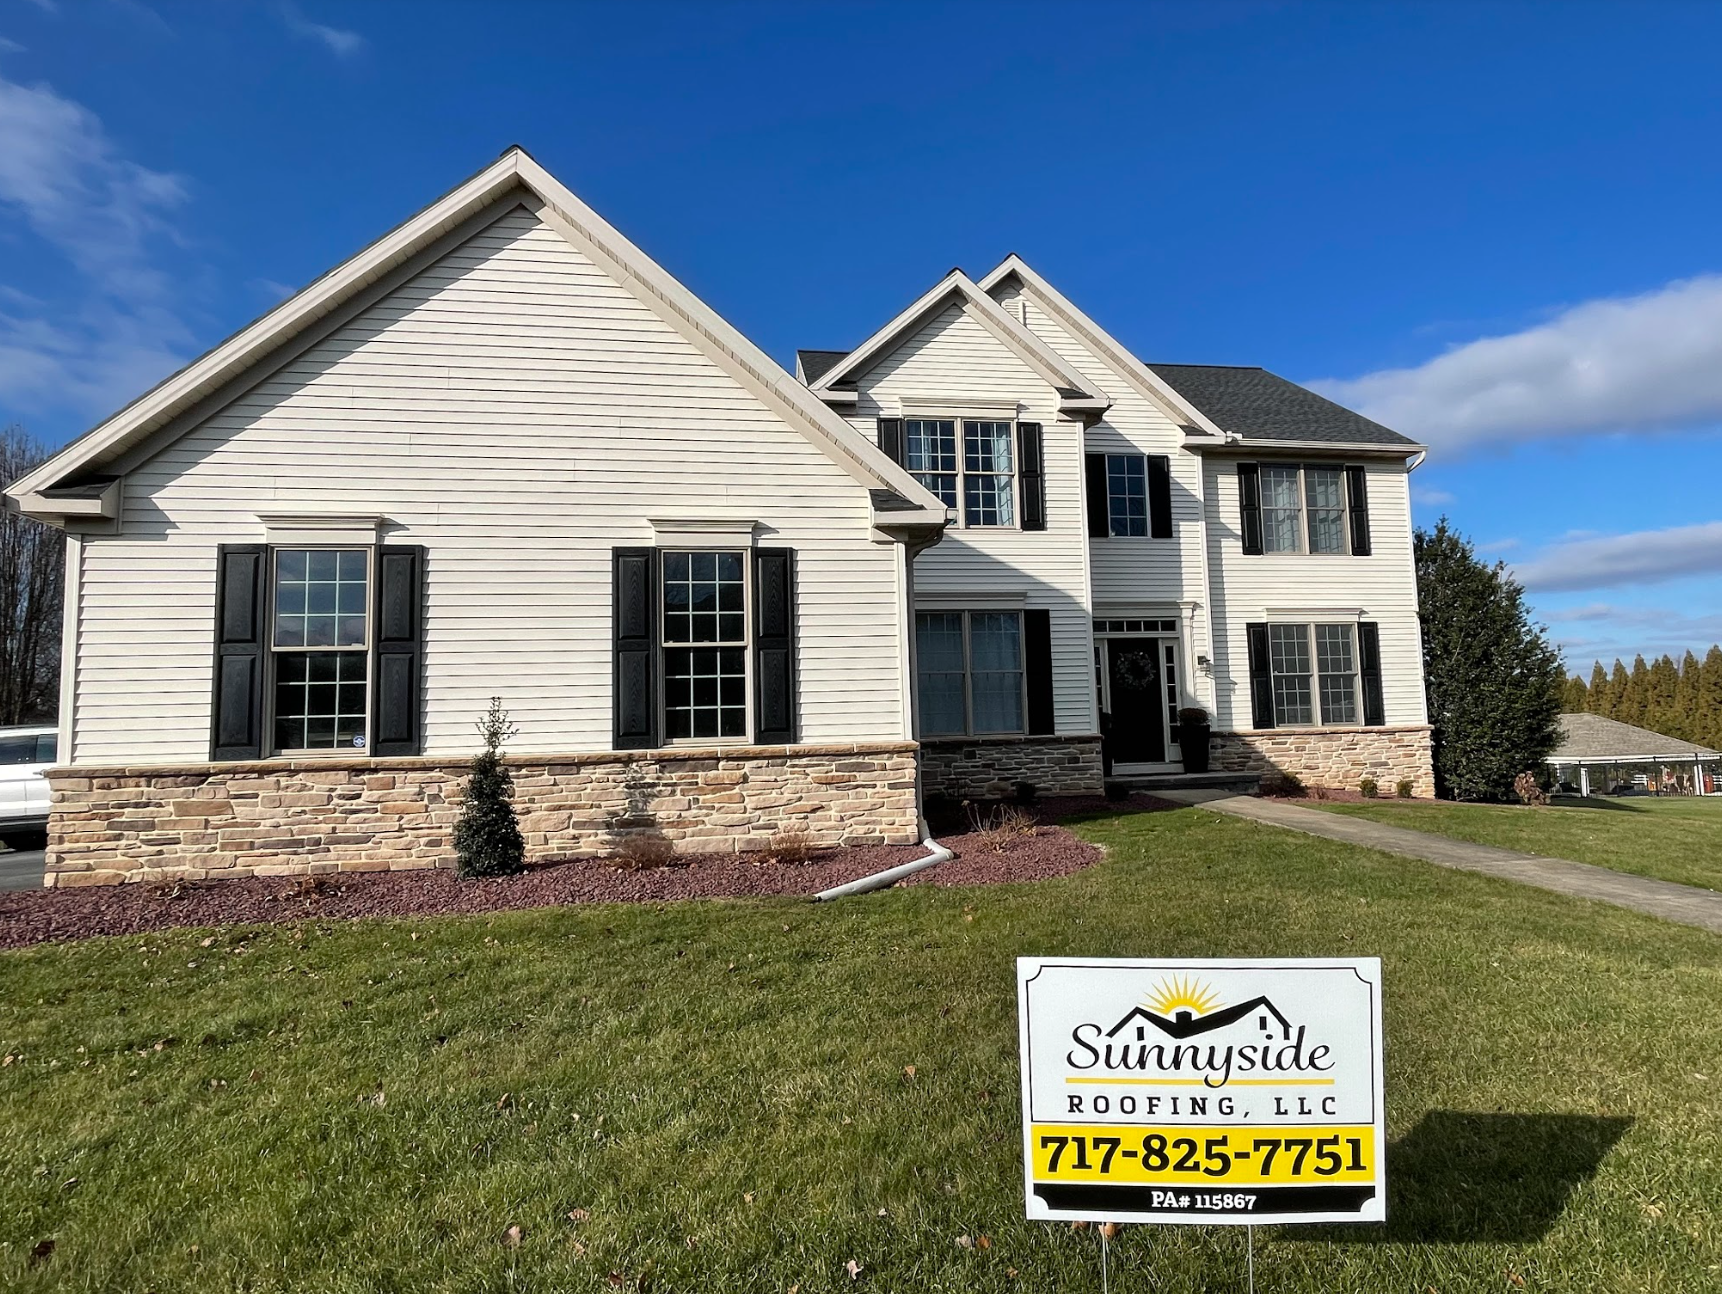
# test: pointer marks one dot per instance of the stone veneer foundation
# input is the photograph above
(309, 816)
(990, 767)
(1331, 757)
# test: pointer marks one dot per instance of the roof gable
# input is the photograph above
(956, 288)
(169, 409)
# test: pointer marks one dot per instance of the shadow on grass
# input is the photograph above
(1505, 1178)
(1598, 802)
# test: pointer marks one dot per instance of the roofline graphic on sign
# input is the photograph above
(1186, 1024)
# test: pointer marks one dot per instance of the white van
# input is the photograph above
(25, 754)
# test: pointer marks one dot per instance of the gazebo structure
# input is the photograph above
(1592, 745)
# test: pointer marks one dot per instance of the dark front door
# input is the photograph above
(1137, 732)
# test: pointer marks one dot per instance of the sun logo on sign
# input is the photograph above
(1181, 992)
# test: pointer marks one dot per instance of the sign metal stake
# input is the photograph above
(1250, 1255)
(1103, 1252)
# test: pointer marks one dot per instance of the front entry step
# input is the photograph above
(1236, 783)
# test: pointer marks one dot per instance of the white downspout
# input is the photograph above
(937, 854)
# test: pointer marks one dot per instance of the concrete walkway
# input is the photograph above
(1685, 904)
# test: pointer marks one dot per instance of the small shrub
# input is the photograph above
(1004, 824)
(791, 846)
(1290, 784)
(487, 836)
(1403, 789)
(1528, 789)
(1318, 792)
(643, 851)
(1369, 787)
(1117, 791)
(1026, 793)
(1193, 716)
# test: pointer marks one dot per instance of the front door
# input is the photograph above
(1137, 731)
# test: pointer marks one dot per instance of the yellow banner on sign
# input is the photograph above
(1198, 1156)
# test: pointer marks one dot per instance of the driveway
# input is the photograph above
(22, 870)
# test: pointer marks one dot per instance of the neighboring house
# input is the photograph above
(501, 452)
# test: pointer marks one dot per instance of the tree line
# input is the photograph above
(1683, 700)
(32, 584)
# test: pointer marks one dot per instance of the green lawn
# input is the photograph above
(1676, 839)
(724, 1090)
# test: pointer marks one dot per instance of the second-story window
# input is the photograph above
(969, 463)
(1303, 509)
(1126, 495)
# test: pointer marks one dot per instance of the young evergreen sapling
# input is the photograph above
(487, 837)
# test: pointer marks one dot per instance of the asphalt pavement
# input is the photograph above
(22, 869)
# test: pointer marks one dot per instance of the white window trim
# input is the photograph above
(1303, 549)
(662, 673)
(704, 534)
(1318, 713)
(967, 612)
(976, 412)
(368, 650)
(321, 530)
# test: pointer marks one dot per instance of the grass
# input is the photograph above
(748, 1096)
(1674, 839)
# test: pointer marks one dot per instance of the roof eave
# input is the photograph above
(1228, 444)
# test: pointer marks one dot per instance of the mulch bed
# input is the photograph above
(42, 916)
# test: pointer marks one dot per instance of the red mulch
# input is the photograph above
(41, 916)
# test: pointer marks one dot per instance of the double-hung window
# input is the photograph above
(1315, 675)
(1126, 495)
(970, 672)
(320, 648)
(705, 645)
(968, 460)
(1303, 509)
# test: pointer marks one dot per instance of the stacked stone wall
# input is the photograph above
(309, 816)
(978, 768)
(1331, 757)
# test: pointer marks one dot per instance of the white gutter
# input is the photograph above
(937, 854)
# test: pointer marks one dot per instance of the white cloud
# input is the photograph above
(1603, 631)
(64, 180)
(1498, 546)
(271, 289)
(1431, 498)
(1632, 364)
(339, 42)
(10, 46)
(1608, 561)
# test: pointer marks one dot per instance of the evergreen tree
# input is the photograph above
(1575, 697)
(1708, 706)
(1494, 681)
(1686, 699)
(1599, 692)
(1662, 697)
(1635, 705)
(1618, 686)
(487, 837)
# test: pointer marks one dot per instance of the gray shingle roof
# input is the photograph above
(1591, 736)
(815, 364)
(1259, 405)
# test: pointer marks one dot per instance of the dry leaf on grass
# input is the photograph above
(853, 1268)
(511, 1237)
(1110, 1230)
(578, 1215)
(42, 1251)
(965, 1242)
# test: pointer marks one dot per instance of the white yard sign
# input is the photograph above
(1202, 1091)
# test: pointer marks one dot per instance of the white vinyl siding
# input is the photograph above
(1135, 571)
(519, 413)
(1296, 587)
(950, 358)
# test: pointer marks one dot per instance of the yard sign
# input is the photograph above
(1202, 1091)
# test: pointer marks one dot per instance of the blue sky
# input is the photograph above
(1495, 227)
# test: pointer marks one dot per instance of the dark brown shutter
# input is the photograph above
(1369, 669)
(891, 439)
(236, 713)
(1357, 496)
(1261, 677)
(1031, 472)
(1037, 667)
(774, 646)
(1094, 477)
(398, 725)
(1159, 497)
(634, 611)
(1250, 506)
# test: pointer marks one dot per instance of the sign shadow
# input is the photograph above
(1459, 1177)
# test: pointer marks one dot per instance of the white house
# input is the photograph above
(500, 452)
